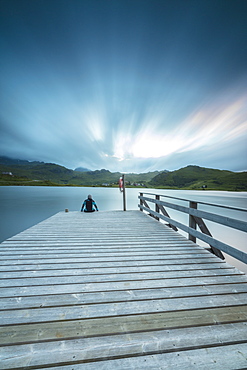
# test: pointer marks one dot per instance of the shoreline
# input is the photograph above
(49, 184)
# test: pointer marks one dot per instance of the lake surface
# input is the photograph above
(25, 206)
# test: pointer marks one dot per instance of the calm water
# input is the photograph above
(22, 207)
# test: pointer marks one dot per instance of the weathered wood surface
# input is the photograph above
(117, 290)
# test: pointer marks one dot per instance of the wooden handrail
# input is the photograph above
(199, 202)
(226, 221)
(196, 219)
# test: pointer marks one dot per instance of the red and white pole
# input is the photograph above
(122, 189)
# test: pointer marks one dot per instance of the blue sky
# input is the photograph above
(126, 85)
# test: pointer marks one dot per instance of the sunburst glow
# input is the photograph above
(124, 85)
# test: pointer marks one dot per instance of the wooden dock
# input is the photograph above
(117, 290)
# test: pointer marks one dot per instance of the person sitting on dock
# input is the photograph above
(89, 205)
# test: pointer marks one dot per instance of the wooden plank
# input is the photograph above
(39, 332)
(104, 259)
(70, 302)
(100, 252)
(42, 247)
(59, 236)
(120, 285)
(108, 270)
(82, 244)
(204, 358)
(129, 263)
(20, 316)
(39, 251)
(118, 233)
(58, 280)
(88, 349)
(67, 299)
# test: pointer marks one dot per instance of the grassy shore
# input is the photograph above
(19, 181)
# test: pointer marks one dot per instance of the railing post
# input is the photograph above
(124, 198)
(141, 202)
(157, 209)
(192, 222)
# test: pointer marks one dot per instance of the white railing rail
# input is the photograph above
(196, 217)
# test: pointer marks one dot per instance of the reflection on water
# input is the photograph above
(23, 207)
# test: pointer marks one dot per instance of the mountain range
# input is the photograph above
(22, 172)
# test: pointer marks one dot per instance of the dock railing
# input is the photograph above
(196, 217)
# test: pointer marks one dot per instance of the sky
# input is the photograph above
(125, 85)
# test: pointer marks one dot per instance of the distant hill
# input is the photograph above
(40, 173)
(81, 169)
(195, 177)
(21, 172)
(19, 162)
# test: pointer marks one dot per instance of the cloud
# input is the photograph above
(213, 125)
(73, 134)
(156, 86)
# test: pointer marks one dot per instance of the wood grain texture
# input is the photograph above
(117, 290)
